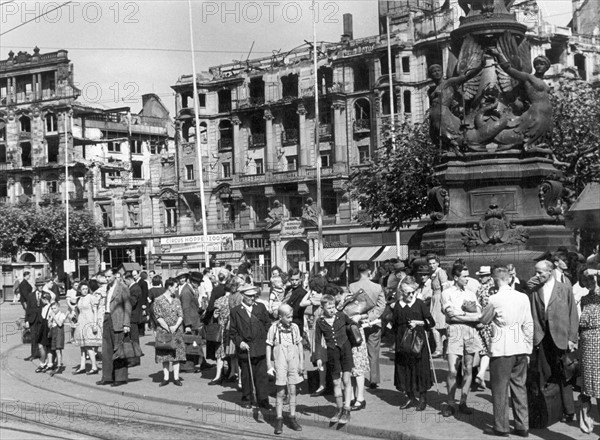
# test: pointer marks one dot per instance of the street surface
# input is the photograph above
(36, 406)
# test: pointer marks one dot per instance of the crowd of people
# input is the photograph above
(527, 334)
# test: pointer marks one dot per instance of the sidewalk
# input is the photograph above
(381, 418)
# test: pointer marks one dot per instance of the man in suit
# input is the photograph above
(372, 332)
(509, 313)
(140, 280)
(555, 329)
(32, 302)
(560, 269)
(182, 279)
(250, 323)
(135, 298)
(191, 316)
(25, 289)
(116, 324)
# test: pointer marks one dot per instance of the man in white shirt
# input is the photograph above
(509, 313)
(462, 313)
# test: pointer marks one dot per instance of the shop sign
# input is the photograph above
(335, 244)
(197, 243)
(292, 228)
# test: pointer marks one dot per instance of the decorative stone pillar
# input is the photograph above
(37, 190)
(89, 184)
(304, 142)
(237, 166)
(339, 125)
(270, 150)
(11, 190)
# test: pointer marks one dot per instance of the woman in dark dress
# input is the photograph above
(412, 373)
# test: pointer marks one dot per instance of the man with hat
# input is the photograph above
(32, 301)
(422, 276)
(249, 326)
(396, 277)
(191, 317)
(183, 277)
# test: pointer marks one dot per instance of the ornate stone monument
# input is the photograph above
(496, 196)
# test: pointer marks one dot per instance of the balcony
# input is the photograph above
(290, 137)
(257, 140)
(229, 226)
(255, 101)
(307, 92)
(225, 144)
(336, 88)
(362, 126)
(114, 181)
(325, 131)
(170, 229)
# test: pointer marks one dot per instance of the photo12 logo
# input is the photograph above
(269, 12)
(70, 12)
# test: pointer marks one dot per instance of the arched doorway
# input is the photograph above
(296, 251)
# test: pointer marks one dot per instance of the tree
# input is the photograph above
(43, 229)
(575, 137)
(392, 189)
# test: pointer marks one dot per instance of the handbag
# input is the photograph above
(127, 349)
(354, 335)
(193, 344)
(164, 341)
(213, 332)
(357, 303)
(411, 342)
(26, 336)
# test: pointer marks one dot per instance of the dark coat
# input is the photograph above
(561, 317)
(135, 297)
(251, 330)
(33, 310)
(144, 297)
(190, 307)
(217, 292)
(120, 307)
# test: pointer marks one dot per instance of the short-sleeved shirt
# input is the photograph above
(454, 297)
(280, 334)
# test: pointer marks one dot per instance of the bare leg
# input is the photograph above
(467, 376)
(219, 369)
(279, 401)
(166, 371)
(346, 375)
(92, 355)
(484, 363)
(360, 388)
(292, 394)
(82, 362)
(453, 361)
(176, 370)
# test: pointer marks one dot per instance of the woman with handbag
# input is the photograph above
(411, 320)
(221, 315)
(88, 336)
(170, 347)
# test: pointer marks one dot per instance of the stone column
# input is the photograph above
(270, 150)
(237, 162)
(39, 85)
(37, 190)
(339, 131)
(89, 185)
(304, 142)
(11, 190)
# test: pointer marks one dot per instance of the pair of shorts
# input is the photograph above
(463, 339)
(339, 360)
(287, 365)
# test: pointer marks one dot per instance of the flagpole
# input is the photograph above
(392, 106)
(197, 140)
(68, 265)
(317, 149)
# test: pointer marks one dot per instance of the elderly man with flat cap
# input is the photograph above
(250, 323)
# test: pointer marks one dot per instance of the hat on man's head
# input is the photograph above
(422, 269)
(248, 290)
(182, 273)
(399, 265)
(195, 277)
(40, 282)
(484, 270)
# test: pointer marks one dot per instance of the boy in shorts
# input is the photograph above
(285, 342)
(332, 326)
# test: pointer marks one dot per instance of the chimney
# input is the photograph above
(348, 27)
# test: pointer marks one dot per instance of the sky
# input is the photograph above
(123, 49)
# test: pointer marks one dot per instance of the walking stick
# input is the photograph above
(431, 363)
(259, 413)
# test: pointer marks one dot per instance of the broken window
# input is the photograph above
(257, 91)
(136, 170)
(24, 87)
(3, 154)
(48, 85)
(362, 115)
(383, 62)
(325, 160)
(53, 150)
(106, 212)
(189, 172)
(257, 130)
(226, 169)
(385, 103)
(292, 163)
(185, 100)
(225, 135)
(51, 123)
(579, 60)
(291, 124)
(3, 90)
(27, 186)
(557, 53)
(361, 76)
(3, 189)
(170, 213)
(289, 85)
(324, 78)
(52, 184)
(203, 132)
(260, 166)
(364, 155)
(25, 124)
(188, 131)
(26, 154)
(133, 212)
(224, 96)
(434, 56)
(407, 102)
(2, 130)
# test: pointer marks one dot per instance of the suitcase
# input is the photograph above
(545, 405)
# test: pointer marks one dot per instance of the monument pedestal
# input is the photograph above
(496, 208)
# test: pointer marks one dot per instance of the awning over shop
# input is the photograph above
(334, 253)
(361, 253)
(390, 252)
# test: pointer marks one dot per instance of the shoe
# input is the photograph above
(410, 404)
(464, 409)
(294, 426)
(278, 425)
(246, 404)
(177, 382)
(265, 405)
(118, 383)
(164, 383)
(28, 358)
(567, 418)
(448, 411)
(358, 405)
(41, 369)
(233, 378)
(345, 417)
(104, 382)
(374, 386)
(318, 392)
(217, 381)
(422, 406)
(91, 372)
(336, 417)
(479, 384)
(436, 354)
(521, 432)
(493, 432)
(80, 371)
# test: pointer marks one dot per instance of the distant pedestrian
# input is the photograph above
(56, 321)
(87, 332)
(439, 281)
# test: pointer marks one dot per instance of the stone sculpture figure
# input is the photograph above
(309, 213)
(275, 215)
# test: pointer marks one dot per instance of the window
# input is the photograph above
(52, 184)
(27, 186)
(385, 103)
(406, 64)
(188, 131)
(361, 76)
(111, 178)
(133, 212)
(579, 60)
(185, 96)
(25, 124)
(136, 146)
(51, 123)
(202, 100)
(3, 189)
(261, 205)
(289, 85)
(260, 167)
(2, 153)
(26, 154)
(114, 146)
(136, 170)
(203, 132)
(330, 206)
(363, 154)
(2, 130)
(292, 163)
(407, 102)
(53, 150)
(325, 160)
(224, 100)
(226, 168)
(107, 215)
(189, 172)
(170, 213)
(383, 61)
(257, 91)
